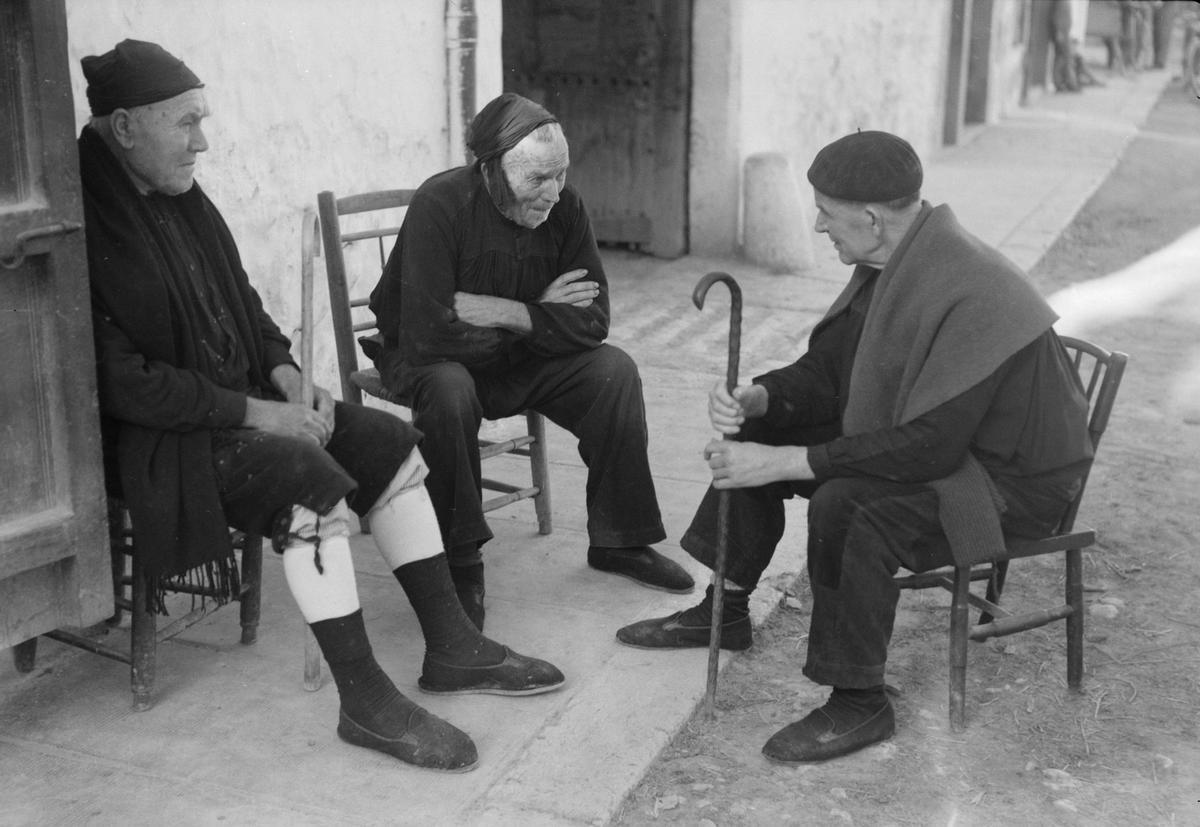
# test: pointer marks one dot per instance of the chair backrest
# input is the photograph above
(1100, 371)
(378, 219)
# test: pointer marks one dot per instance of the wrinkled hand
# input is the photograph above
(728, 411)
(290, 419)
(751, 464)
(568, 289)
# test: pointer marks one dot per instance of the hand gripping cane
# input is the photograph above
(310, 247)
(718, 576)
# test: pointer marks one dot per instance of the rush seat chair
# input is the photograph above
(374, 217)
(136, 595)
(1100, 372)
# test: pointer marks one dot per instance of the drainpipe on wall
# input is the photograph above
(462, 32)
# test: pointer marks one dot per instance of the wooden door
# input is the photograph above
(54, 568)
(615, 72)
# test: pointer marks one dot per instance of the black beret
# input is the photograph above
(502, 124)
(134, 73)
(868, 167)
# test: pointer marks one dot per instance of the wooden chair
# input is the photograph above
(1100, 371)
(377, 212)
(135, 595)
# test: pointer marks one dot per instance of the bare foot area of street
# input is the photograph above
(1124, 750)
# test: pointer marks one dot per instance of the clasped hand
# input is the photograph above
(292, 418)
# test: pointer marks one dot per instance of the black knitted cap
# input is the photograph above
(868, 167)
(134, 73)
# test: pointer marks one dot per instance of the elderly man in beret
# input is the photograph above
(494, 301)
(934, 409)
(202, 414)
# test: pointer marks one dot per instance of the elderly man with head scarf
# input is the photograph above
(204, 426)
(934, 410)
(494, 301)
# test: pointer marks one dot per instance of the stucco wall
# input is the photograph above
(306, 95)
(803, 73)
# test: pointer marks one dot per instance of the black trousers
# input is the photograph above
(860, 532)
(596, 395)
(259, 474)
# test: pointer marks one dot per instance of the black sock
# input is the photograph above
(469, 575)
(450, 637)
(367, 694)
(866, 701)
(734, 606)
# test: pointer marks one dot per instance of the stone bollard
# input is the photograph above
(775, 229)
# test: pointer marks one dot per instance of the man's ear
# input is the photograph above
(122, 125)
(876, 215)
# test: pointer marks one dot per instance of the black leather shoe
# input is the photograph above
(679, 632)
(470, 595)
(819, 736)
(643, 564)
(427, 741)
(515, 675)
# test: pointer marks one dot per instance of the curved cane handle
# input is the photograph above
(735, 319)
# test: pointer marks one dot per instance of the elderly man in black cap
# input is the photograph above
(494, 301)
(934, 409)
(203, 420)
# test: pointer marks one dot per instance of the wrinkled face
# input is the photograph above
(850, 226)
(536, 171)
(162, 143)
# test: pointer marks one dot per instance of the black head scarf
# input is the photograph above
(502, 124)
(134, 73)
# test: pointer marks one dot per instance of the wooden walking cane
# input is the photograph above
(718, 576)
(310, 247)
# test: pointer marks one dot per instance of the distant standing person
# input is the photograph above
(934, 402)
(493, 301)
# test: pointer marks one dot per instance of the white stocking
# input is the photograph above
(403, 522)
(329, 591)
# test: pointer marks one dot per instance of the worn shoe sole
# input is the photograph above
(669, 633)
(653, 570)
(647, 585)
(505, 678)
(406, 748)
(811, 740)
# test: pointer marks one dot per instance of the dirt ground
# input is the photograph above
(1126, 750)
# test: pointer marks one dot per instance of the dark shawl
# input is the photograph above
(158, 402)
(947, 311)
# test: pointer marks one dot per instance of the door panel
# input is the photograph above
(54, 568)
(615, 73)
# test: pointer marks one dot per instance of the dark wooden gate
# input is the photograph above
(54, 561)
(615, 72)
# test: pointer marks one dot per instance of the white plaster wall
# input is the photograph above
(817, 69)
(799, 74)
(306, 95)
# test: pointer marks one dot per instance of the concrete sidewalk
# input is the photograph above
(233, 737)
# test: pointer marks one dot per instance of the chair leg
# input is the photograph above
(541, 470)
(25, 655)
(250, 599)
(312, 661)
(143, 641)
(995, 588)
(958, 648)
(1074, 589)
